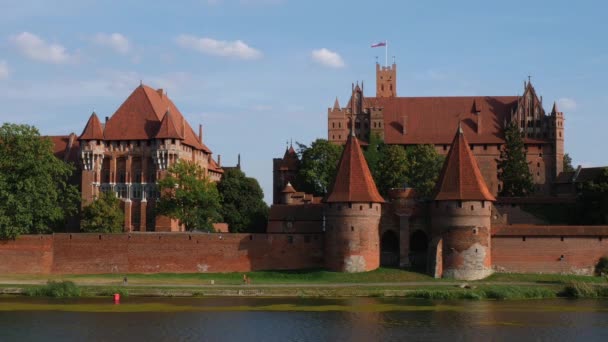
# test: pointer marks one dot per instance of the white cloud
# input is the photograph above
(327, 58)
(3, 70)
(114, 41)
(236, 49)
(33, 47)
(566, 104)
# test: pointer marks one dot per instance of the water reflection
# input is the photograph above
(296, 319)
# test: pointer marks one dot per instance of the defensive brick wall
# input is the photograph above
(548, 249)
(160, 252)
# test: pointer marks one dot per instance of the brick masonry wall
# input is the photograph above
(159, 252)
(543, 254)
(31, 254)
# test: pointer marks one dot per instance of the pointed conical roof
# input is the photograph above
(336, 104)
(290, 159)
(93, 129)
(289, 189)
(460, 178)
(354, 182)
(168, 128)
(554, 110)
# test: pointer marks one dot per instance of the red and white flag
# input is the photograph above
(379, 44)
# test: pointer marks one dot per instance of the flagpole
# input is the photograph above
(386, 53)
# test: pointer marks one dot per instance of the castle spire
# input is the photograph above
(554, 110)
(460, 178)
(354, 182)
(93, 130)
(336, 104)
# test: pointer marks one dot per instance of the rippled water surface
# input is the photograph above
(289, 319)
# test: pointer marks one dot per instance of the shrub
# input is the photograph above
(602, 266)
(56, 289)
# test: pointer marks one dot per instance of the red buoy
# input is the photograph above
(117, 298)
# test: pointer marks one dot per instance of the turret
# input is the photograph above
(353, 210)
(557, 135)
(386, 80)
(460, 217)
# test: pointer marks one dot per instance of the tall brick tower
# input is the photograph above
(353, 215)
(386, 80)
(284, 170)
(460, 217)
(557, 135)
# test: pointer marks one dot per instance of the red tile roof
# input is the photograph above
(354, 182)
(140, 116)
(66, 147)
(431, 120)
(168, 129)
(93, 129)
(288, 189)
(214, 167)
(460, 178)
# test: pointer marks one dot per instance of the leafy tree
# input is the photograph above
(373, 154)
(568, 163)
(391, 169)
(513, 168)
(318, 167)
(189, 196)
(242, 199)
(35, 196)
(593, 204)
(103, 215)
(423, 168)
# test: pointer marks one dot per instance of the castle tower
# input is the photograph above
(460, 217)
(353, 215)
(284, 170)
(557, 135)
(386, 80)
(92, 147)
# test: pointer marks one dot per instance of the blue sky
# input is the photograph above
(257, 73)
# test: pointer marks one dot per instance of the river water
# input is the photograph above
(298, 319)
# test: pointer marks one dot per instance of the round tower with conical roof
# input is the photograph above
(352, 213)
(460, 217)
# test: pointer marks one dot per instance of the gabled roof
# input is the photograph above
(354, 182)
(460, 178)
(431, 120)
(140, 116)
(168, 129)
(66, 147)
(213, 167)
(93, 129)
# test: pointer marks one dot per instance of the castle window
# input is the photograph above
(333, 125)
(485, 147)
(445, 147)
(472, 208)
(121, 191)
(339, 137)
(333, 137)
(523, 238)
(360, 207)
(382, 87)
(136, 191)
(483, 204)
(459, 204)
(352, 228)
(339, 125)
(173, 141)
(370, 205)
(561, 238)
(472, 147)
(122, 176)
(538, 164)
(350, 205)
(560, 134)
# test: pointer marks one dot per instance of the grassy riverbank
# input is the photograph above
(309, 283)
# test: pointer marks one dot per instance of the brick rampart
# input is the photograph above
(159, 252)
(548, 249)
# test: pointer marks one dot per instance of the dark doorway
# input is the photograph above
(389, 249)
(419, 244)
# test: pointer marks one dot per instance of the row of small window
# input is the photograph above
(136, 191)
(121, 176)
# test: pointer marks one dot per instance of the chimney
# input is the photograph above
(404, 125)
(219, 160)
(238, 164)
(200, 133)
(160, 92)
(107, 118)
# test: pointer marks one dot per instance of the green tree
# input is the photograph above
(513, 168)
(373, 154)
(103, 215)
(423, 168)
(568, 163)
(593, 203)
(318, 167)
(35, 196)
(242, 199)
(391, 169)
(189, 196)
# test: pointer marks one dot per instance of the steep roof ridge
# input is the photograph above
(460, 177)
(354, 182)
